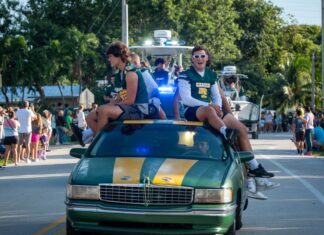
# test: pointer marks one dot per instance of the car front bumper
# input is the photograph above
(195, 220)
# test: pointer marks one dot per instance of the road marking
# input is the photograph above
(51, 226)
(15, 177)
(29, 215)
(307, 185)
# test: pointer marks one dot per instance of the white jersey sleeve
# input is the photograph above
(215, 95)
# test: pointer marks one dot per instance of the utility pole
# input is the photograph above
(322, 55)
(125, 22)
(313, 82)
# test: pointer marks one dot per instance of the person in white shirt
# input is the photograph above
(309, 117)
(25, 117)
(82, 124)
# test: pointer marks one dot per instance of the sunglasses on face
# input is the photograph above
(202, 56)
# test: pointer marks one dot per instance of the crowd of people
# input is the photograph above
(26, 134)
(308, 132)
(307, 128)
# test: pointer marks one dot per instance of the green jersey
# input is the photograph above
(121, 86)
(200, 86)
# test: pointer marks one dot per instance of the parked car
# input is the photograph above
(156, 176)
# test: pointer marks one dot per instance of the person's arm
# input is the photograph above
(293, 127)
(185, 94)
(226, 107)
(132, 84)
(215, 95)
(176, 111)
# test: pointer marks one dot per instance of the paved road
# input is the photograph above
(32, 195)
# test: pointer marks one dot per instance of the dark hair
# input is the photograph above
(119, 49)
(299, 112)
(307, 109)
(11, 113)
(159, 61)
(202, 48)
(25, 104)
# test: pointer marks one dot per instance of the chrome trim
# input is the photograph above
(203, 212)
(147, 194)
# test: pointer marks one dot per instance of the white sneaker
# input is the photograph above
(263, 184)
(252, 190)
(28, 160)
(251, 185)
(86, 135)
(257, 195)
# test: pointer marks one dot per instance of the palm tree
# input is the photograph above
(295, 89)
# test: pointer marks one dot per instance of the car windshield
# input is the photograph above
(158, 140)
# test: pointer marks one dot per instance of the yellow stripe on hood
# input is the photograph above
(127, 170)
(173, 171)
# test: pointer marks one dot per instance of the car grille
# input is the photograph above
(149, 194)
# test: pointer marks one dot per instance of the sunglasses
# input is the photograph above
(202, 56)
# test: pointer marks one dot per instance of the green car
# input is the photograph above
(157, 177)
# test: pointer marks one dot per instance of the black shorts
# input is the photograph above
(130, 112)
(300, 136)
(9, 140)
(190, 114)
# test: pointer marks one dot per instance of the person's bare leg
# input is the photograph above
(162, 114)
(104, 113)
(243, 140)
(6, 155)
(28, 150)
(14, 150)
(19, 152)
(208, 113)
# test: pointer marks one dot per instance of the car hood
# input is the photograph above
(160, 171)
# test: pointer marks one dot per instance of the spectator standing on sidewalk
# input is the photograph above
(43, 144)
(278, 121)
(82, 124)
(68, 123)
(268, 122)
(47, 122)
(309, 117)
(11, 136)
(298, 128)
(60, 128)
(37, 125)
(25, 116)
(2, 114)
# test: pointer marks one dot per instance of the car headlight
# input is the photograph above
(82, 192)
(213, 195)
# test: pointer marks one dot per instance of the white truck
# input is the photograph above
(247, 112)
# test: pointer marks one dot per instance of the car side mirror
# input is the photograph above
(77, 152)
(245, 156)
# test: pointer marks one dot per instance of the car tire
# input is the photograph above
(246, 204)
(255, 135)
(70, 230)
(238, 216)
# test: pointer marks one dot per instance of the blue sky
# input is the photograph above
(304, 11)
